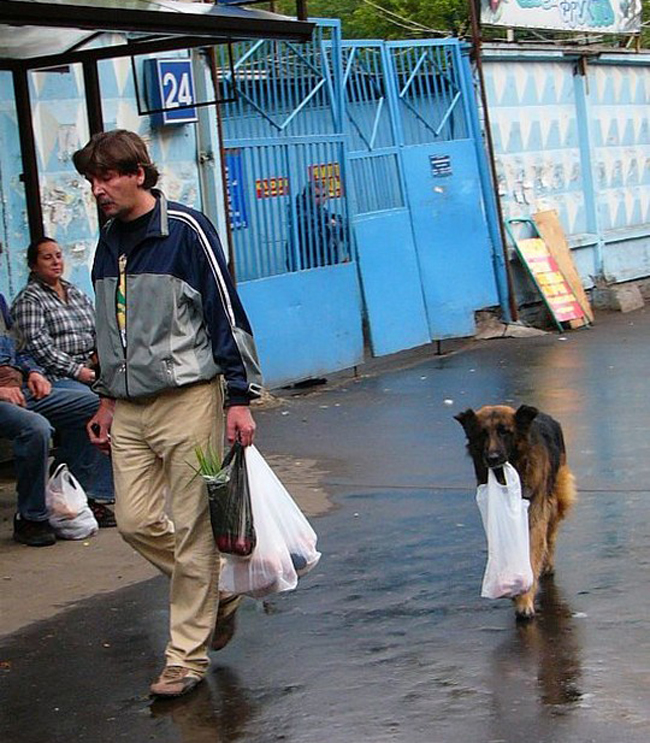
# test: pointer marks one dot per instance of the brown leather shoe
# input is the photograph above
(175, 681)
(226, 623)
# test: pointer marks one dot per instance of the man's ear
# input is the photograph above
(524, 416)
(468, 421)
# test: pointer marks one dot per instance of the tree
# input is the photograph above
(406, 19)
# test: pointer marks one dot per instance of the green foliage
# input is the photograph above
(209, 461)
(393, 19)
(409, 19)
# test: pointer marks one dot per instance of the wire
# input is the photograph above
(403, 22)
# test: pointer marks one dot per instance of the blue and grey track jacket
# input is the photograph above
(184, 320)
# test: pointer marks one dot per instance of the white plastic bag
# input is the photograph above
(286, 542)
(505, 518)
(67, 505)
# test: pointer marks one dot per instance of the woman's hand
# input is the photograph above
(86, 375)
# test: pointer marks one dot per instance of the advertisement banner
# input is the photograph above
(597, 16)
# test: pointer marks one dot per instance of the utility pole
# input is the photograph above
(476, 42)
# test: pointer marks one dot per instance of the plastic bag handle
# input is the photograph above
(58, 470)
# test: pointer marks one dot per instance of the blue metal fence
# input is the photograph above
(283, 135)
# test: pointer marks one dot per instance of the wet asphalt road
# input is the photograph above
(388, 638)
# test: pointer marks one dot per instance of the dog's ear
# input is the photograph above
(468, 421)
(524, 416)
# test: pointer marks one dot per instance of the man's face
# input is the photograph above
(120, 195)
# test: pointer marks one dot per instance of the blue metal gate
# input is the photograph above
(285, 160)
(388, 262)
(425, 253)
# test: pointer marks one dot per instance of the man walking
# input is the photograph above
(174, 348)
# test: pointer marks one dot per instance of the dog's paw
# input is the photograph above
(524, 608)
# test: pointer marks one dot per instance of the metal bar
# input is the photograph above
(96, 17)
(94, 110)
(246, 56)
(28, 153)
(302, 104)
(375, 128)
(212, 64)
(93, 98)
(588, 162)
(301, 10)
(127, 49)
(414, 72)
(448, 113)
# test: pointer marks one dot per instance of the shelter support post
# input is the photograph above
(28, 153)
(93, 97)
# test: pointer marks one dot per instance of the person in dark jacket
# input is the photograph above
(317, 237)
(31, 410)
(172, 337)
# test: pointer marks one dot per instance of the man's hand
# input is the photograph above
(38, 385)
(13, 395)
(99, 426)
(240, 425)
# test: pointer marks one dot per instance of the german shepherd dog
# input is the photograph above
(534, 445)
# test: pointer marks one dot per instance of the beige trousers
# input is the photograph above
(153, 444)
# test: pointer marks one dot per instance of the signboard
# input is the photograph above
(268, 188)
(440, 165)
(555, 289)
(328, 175)
(598, 16)
(170, 86)
(235, 189)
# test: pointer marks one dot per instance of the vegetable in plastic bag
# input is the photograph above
(231, 515)
(505, 518)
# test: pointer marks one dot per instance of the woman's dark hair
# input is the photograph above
(32, 249)
(118, 150)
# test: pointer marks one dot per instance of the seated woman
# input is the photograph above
(54, 323)
(54, 320)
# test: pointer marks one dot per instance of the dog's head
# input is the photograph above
(495, 434)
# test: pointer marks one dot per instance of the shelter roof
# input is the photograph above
(40, 33)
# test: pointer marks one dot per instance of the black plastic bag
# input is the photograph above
(231, 514)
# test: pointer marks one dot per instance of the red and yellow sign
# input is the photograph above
(268, 188)
(555, 289)
(329, 175)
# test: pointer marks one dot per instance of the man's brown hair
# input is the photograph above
(118, 150)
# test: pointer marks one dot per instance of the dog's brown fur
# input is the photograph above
(533, 443)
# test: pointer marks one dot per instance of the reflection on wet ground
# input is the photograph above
(388, 638)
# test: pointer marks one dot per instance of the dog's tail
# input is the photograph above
(565, 490)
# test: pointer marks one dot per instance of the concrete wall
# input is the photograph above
(575, 137)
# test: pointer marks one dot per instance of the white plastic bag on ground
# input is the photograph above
(67, 505)
(505, 519)
(286, 542)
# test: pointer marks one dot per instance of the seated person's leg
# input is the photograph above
(30, 435)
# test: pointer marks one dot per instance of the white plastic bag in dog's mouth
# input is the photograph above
(504, 512)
